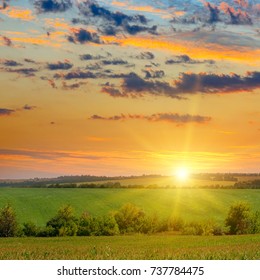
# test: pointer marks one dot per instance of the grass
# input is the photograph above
(39, 205)
(134, 247)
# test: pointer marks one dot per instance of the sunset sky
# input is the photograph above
(129, 87)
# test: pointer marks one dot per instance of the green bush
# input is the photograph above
(129, 218)
(30, 229)
(239, 218)
(205, 228)
(85, 224)
(47, 231)
(175, 224)
(148, 224)
(8, 222)
(64, 223)
(108, 226)
(97, 226)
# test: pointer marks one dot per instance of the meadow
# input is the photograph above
(133, 247)
(191, 204)
(40, 204)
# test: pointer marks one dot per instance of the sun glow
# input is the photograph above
(182, 174)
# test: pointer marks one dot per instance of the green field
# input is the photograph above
(151, 247)
(169, 181)
(39, 204)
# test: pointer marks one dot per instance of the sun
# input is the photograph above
(182, 174)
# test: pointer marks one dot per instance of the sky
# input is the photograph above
(129, 87)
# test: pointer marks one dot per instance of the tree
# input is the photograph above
(30, 229)
(239, 218)
(129, 218)
(8, 222)
(97, 226)
(108, 226)
(85, 224)
(64, 223)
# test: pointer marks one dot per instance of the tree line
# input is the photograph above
(254, 184)
(129, 219)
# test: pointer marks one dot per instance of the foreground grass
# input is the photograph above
(40, 205)
(151, 247)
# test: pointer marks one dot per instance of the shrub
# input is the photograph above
(47, 231)
(97, 226)
(129, 218)
(8, 222)
(85, 224)
(148, 224)
(64, 223)
(175, 224)
(238, 219)
(218, 230)
(30, 229)
(108, 226)
(205, 228)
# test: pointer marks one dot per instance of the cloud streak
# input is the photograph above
(185, 59)
(159, 117)
(11, 63)
(76, 75)
(146, 55)
(47, 155)
(246, 54)
(188, 83)
(19, 13)
(6, 112)
(137, 86)
(28, 72)
(115, 62)
(59, 66)
(29, 107)
(91, 57)
(214, 83)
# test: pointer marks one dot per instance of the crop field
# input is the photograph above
(39, 205)
(151, 247)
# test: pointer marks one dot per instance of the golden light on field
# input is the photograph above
(182, 174)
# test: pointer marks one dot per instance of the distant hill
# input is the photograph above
(68, 179)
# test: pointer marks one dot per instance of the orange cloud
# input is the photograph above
(37, 41)
(195, 50)
(146, 8)
(242, 3)
(18, 13)
(53, 39)
(166, 14)
(57, 23)
(119, 4)
(18, 33)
